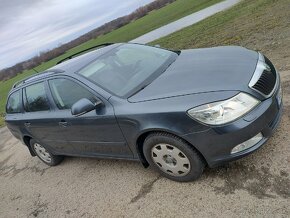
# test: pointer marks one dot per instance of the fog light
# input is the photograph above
(247, 144)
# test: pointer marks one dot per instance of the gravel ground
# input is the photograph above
(256, 186)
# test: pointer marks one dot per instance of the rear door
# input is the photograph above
(96, 133)
(39, 116)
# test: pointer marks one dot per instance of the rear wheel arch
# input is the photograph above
(141, 139)
(26, 140)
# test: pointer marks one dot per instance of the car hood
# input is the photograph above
(203, 70)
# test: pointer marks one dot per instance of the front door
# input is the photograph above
(96, 133)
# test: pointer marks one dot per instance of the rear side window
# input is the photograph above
(35, 98)
(66, 92)
(13, 103)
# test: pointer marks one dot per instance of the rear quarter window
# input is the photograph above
(14, 103)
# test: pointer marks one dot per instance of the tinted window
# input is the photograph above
(126, 67)
(66, 92)
(13, 104)
(35, 98)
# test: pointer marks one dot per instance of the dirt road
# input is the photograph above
(256, 186)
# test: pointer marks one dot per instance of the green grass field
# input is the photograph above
(251, 24)
(153, 20)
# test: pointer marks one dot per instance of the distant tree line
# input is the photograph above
(10, 72)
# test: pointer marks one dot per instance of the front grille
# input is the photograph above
(266, 83)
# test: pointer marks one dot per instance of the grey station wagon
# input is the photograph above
(177, 111)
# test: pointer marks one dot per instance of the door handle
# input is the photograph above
(27, 124)
(63, 123)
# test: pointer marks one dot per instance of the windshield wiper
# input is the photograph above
(138, 90)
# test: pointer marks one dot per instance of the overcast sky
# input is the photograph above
(30, 26)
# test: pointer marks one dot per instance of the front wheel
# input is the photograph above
(172, 157)
(44, 155)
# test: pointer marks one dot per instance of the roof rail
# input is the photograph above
(85, 50)
(36, 76)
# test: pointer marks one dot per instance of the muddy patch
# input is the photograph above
(257, 182)
(145, 189)
(11, 170)
(18, 197)
(39, 207)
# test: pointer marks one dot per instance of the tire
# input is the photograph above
(172, 157)
(44, 155)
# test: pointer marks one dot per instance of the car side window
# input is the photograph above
(35, 98)
(66, 92)
(14, 103)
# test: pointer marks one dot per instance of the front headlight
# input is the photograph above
(222, 112)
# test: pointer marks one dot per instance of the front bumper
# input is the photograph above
(216, 143)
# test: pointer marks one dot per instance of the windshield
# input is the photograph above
(127, 68)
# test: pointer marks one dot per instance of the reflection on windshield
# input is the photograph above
(126, 67)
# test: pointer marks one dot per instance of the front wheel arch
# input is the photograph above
(141, 139)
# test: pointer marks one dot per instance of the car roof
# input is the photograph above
(68, 65)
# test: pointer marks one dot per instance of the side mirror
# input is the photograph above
(83, 106)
